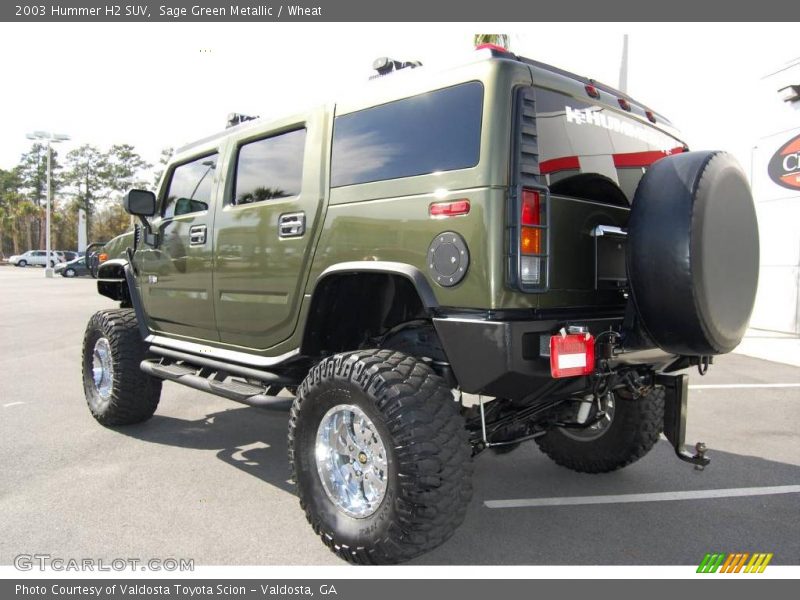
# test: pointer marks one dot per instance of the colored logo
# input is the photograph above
(784, 166)
(738, 562)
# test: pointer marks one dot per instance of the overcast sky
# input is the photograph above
(164, 84)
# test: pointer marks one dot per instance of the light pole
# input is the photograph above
(50, 138)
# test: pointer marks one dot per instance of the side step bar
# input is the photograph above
(218, 382)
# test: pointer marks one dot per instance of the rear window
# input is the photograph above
(582, 145)
(435, 131)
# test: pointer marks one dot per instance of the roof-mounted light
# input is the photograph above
(385, 65)
(592, 91)
(790, 93)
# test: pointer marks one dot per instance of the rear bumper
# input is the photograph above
(510, 358)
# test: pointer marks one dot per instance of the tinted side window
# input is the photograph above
(435, 131)
(190, 187)
(270, 168)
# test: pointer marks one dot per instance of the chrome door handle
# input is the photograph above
(197, 235)
(292, 225)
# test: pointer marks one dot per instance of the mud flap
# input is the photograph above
(676, 389)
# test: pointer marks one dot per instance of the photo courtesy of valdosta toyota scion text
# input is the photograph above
(426, 294)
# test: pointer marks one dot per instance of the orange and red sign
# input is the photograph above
(784, 166)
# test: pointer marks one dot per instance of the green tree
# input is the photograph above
(87, 173)
(25, 214)
(65, 226)
(166, 154)
(32, 172)
(498, 39)
(10, 199)
(6, 223)
(111, 221)
(124, 166)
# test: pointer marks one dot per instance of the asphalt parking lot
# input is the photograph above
(207, 478)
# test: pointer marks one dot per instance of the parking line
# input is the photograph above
(651, 497)
(723, 386)
(12, 404)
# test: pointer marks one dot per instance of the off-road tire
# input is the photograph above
(632, 433)
(134, 395)
(429, 481)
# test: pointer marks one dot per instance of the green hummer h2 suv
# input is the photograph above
(445, 262)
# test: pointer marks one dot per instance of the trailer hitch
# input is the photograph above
(676, 389)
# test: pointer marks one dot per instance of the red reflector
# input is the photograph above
(592, 91)
(531, 205)
(650, 116)
(624, 104)
(571, 355)
(449, 209)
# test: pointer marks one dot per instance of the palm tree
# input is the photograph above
(6, 223)
(498, 39)
(26, 213)
(261, 193)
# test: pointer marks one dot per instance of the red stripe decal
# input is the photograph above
(641, 159)
(564, 163)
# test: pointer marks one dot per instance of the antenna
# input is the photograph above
(623, 67)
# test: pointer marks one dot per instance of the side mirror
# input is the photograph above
(140, 203)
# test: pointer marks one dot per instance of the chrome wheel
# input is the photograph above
(102, 371)
(351, 461)
(596, 429)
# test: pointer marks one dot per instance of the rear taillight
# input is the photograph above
(571, 355)
(531, 239)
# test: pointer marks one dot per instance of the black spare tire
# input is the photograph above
(692, 253)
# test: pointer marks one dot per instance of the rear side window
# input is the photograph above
(435, 131)
(270, 168)
(190, 187)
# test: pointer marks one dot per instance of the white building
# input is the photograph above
(775, 178)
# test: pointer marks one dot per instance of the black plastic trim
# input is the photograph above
(502, 357)
(410, 272)
(525, 174)
(136, 301)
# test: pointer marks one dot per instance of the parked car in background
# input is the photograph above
(35, 257)
(73, 268)
(69, 255)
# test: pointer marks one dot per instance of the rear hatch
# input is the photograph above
(580, 150)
